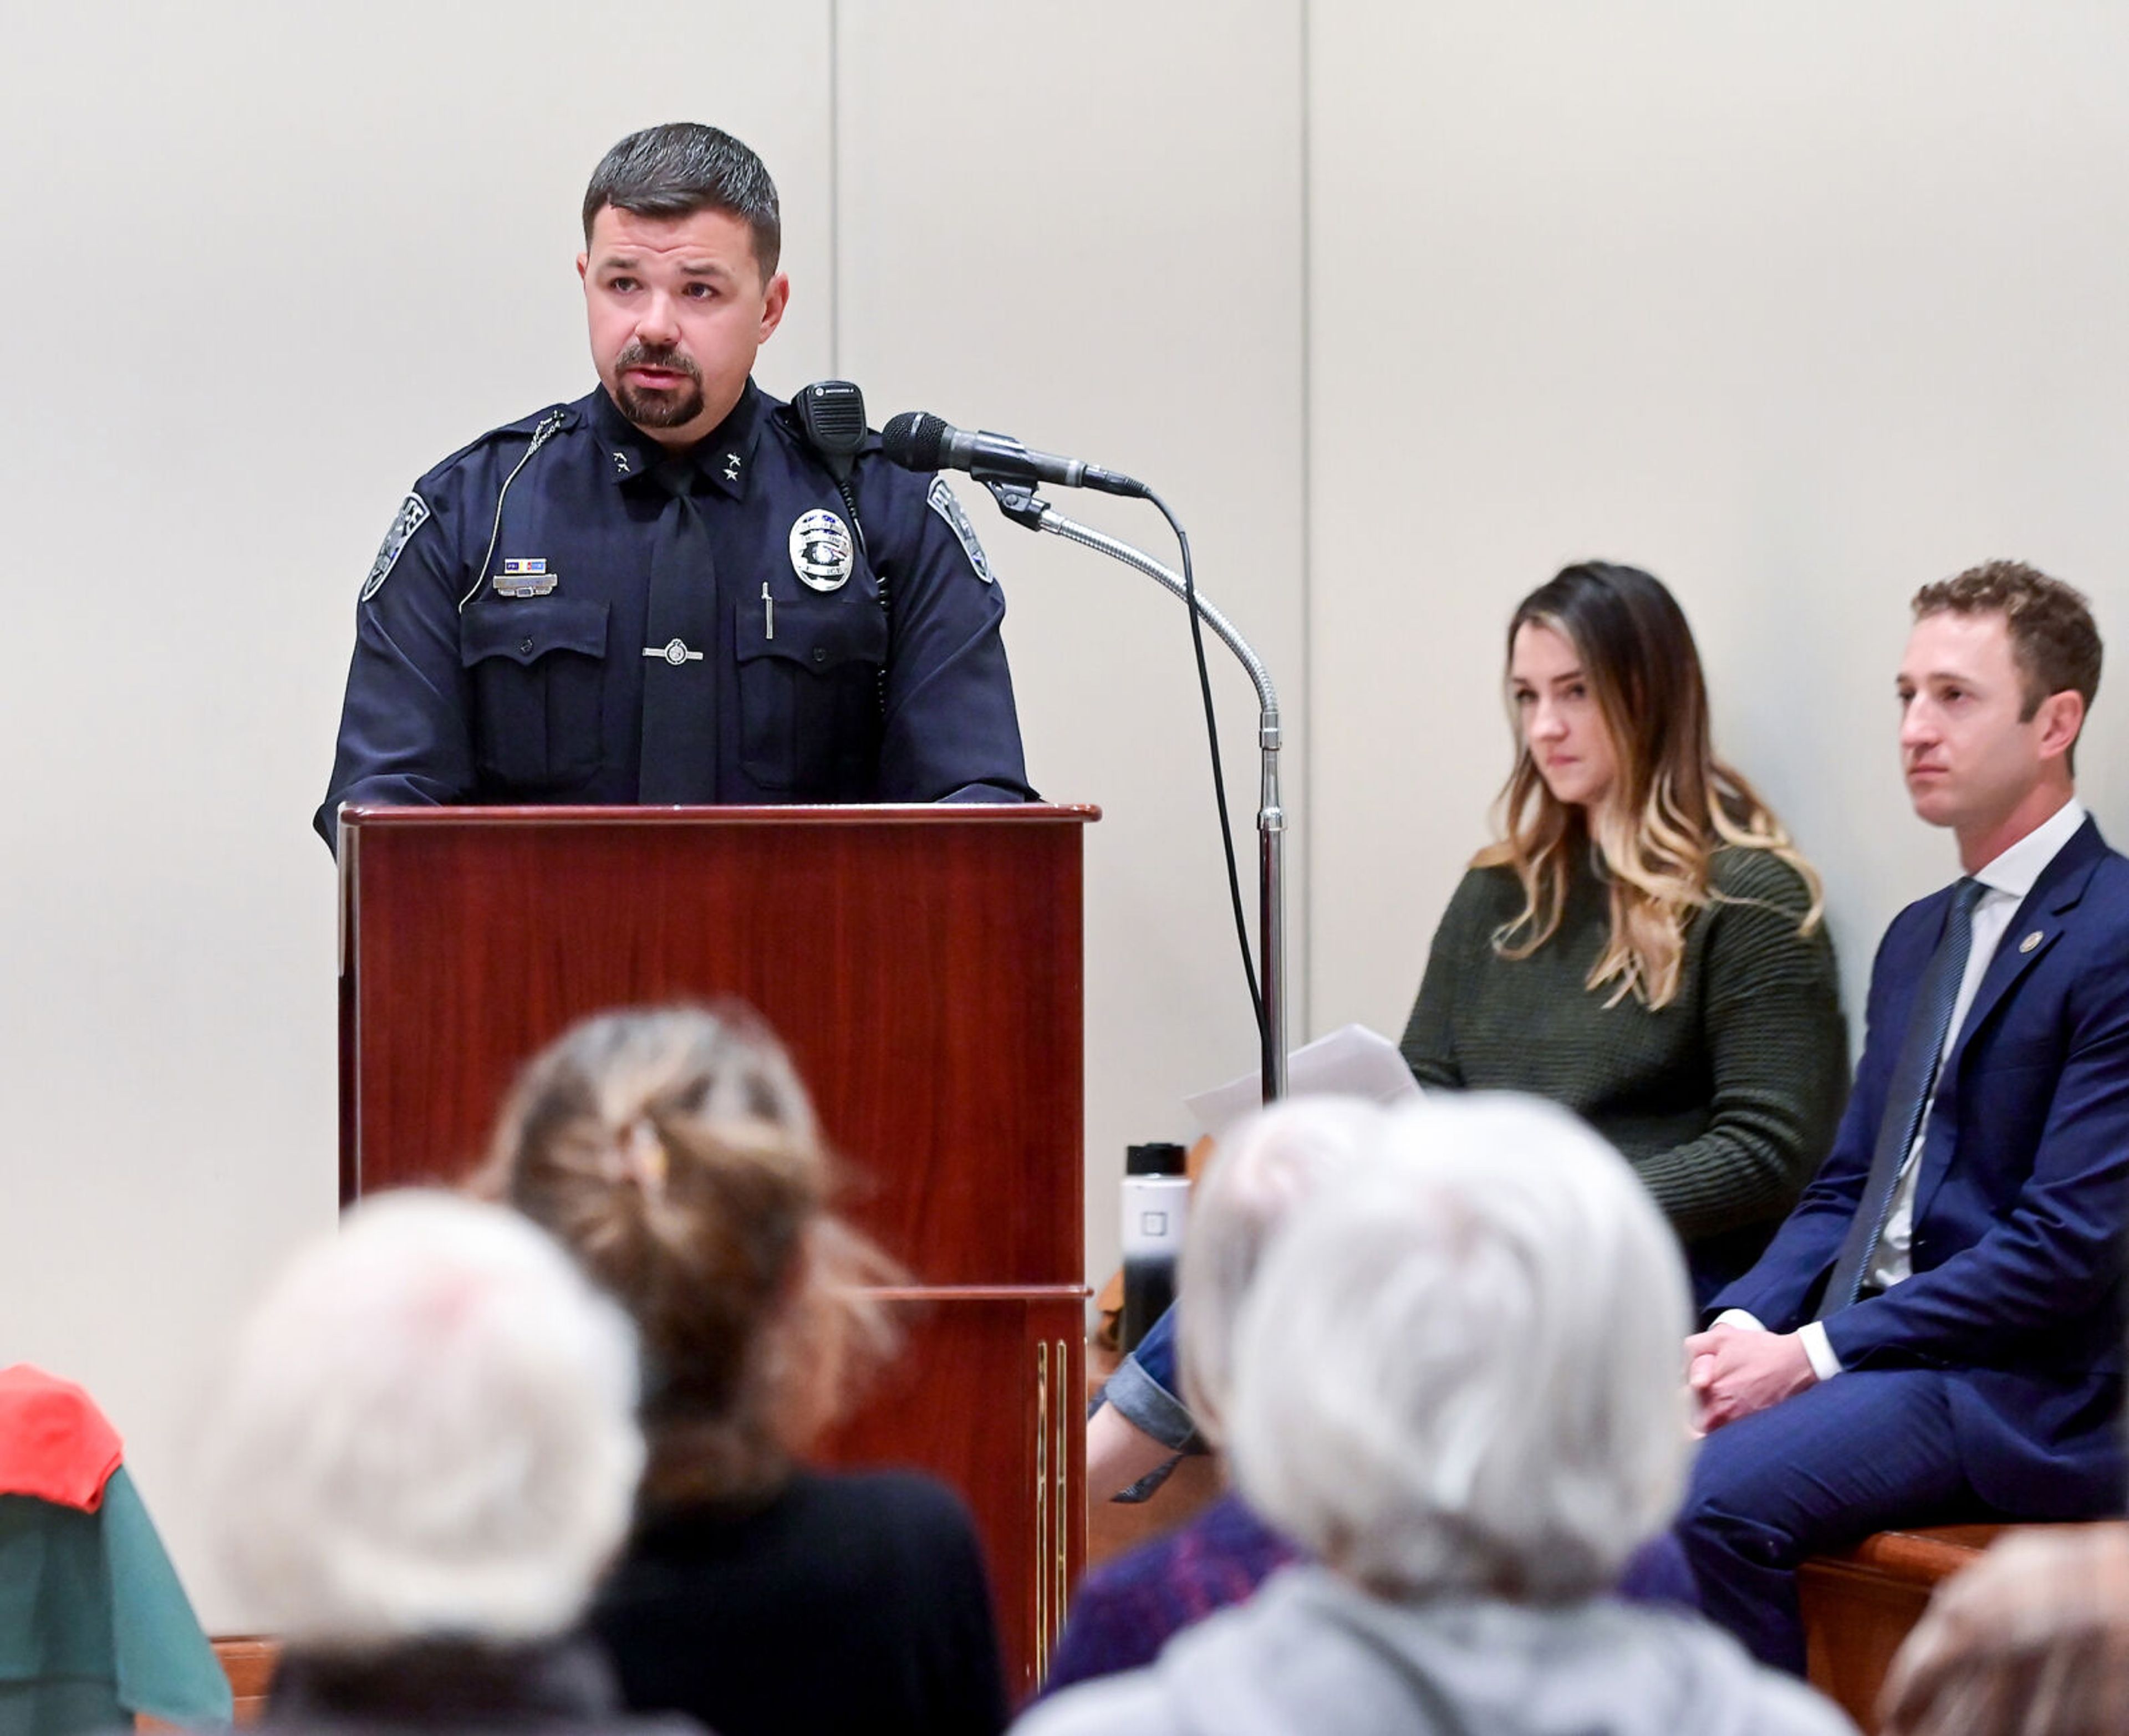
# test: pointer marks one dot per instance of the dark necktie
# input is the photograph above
(679, 742)
(1914, 1078)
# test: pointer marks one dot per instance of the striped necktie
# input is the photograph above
(1907, 1097)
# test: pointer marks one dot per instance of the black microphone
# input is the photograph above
(917, 441)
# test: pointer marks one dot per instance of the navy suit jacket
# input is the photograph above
(2021, 1204)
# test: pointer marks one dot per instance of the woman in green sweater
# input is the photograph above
(1642, 944)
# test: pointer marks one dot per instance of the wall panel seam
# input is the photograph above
(834, 190)
(1304, 1027)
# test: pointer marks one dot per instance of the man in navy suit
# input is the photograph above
(1936, 1333)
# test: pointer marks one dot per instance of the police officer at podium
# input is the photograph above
(666, 592)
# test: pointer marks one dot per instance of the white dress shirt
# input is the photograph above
(2007, 881)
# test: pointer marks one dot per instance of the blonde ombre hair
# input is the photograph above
(1673, 804)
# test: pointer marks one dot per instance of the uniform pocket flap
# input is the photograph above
(525, 632)
(817, 633)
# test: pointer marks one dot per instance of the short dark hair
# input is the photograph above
(681, 168)
(2054, 638)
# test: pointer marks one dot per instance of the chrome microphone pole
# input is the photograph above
(1024, 506)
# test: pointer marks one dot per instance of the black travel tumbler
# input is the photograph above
(1156, 1198)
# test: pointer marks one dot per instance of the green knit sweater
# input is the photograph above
(1724, 1100)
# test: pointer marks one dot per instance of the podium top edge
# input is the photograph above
(909, 813)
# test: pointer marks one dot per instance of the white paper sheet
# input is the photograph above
(1351, 1062)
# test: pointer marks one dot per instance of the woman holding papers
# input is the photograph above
(1641, 943)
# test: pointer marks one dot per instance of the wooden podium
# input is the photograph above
(923, 965)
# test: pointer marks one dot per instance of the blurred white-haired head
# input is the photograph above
(429, 1430)
(1267, 1163)
(1458, 1370)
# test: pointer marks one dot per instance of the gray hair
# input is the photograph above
(1458, 1369)
(684, 167)
(429, 1428)
(1266, 1165)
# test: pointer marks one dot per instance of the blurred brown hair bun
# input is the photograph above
(674, 1151)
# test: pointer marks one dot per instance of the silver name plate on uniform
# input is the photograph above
(525, 578)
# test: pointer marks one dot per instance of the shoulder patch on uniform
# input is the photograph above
(941, 501)
(413, 514)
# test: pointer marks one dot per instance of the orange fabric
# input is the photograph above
(54, 1444)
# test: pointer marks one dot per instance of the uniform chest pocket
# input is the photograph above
(538, 670)
(809, 695)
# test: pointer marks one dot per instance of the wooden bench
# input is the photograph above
(1858, 1607)
(248, 1660)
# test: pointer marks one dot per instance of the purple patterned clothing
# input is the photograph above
(1126, 1609)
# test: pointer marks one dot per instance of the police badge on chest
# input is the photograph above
(822, 554)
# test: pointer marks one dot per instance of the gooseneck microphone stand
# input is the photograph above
(1024, 506)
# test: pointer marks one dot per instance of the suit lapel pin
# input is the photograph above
(2030, 942)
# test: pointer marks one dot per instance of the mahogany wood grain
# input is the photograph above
(249, 1661)
(987, 1395)
(1859, 1606)
(923, 965)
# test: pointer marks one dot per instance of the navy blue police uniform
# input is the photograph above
(541, 627)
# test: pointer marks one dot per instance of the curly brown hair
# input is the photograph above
(2054, 639)
(675, 1152)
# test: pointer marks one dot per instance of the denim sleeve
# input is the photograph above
(1143, 1389)
(1157, 1352)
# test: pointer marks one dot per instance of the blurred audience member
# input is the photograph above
(676, 1153)
(1456, 1385)
(1125, 1610)
(2032, 1640)
(425, 1455)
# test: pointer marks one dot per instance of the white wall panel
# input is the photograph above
(269, 264)
(1081, 225)
(1800, 306)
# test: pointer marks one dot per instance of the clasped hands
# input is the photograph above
(1734, 1371)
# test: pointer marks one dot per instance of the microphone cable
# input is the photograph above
(1219, 775)
(918, 440)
